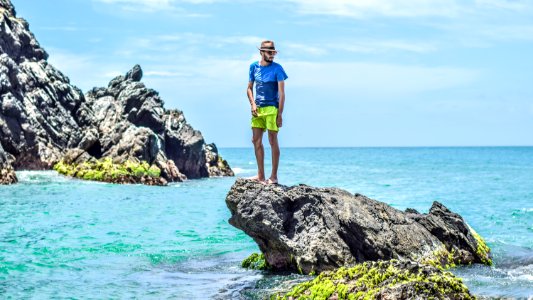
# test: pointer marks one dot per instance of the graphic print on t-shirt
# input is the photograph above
(266, 83)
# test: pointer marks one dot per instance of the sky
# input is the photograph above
(361, 73)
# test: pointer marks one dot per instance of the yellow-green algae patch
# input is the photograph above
(373, 280)
(482, 249)
(105, 170)
(255, 261)
(441, 259)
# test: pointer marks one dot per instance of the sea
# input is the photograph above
(63, 238)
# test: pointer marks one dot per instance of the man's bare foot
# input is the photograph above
(257, 178)
(272, 181)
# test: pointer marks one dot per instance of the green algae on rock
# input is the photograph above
(105, 170)
(255, 261)
(441, 259)
(483, 251)
(381, 280)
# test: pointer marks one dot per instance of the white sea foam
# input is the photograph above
(242, 171)
(40, 176)
(522, 273)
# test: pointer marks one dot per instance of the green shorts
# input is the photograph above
(266, 118)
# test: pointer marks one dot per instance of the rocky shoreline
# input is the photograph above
(312, 230)
(43, 117)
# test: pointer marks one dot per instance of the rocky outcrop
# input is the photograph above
(132, 123)
(308, 229)
(42, 115)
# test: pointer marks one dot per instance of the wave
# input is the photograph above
(33, 177)
(238, 171)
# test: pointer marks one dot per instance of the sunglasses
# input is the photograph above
(270, 52)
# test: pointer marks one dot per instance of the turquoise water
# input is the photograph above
(64, 238)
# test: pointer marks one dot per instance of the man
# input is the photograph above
(267, 107)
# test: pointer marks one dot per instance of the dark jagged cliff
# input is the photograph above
(43, 116)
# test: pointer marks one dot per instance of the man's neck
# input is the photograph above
(264, 63)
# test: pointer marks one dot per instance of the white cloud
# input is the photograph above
(410, 8)
(377, 46)
(371, 8)
(516, 5)
(305, 48)
(187, 45)
(376, 80)
(149, 5)
(84, 71)
(157, 6)
(62, 28)
(508, 32)
(165, 74)
(479, 22)
(113, 73)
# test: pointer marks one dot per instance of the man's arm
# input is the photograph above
(281, 93)
(250, 93)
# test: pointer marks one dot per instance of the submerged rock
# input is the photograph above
(310, 230)
(43, 116)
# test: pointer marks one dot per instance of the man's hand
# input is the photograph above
(279, 120)
(254, 110)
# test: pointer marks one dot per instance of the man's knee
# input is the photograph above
(273, 138)
(257, 141)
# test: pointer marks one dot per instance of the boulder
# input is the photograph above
(309, 229)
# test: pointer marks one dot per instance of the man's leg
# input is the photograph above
(273, 139)
(257, 140)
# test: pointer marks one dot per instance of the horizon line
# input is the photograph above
(481, 146)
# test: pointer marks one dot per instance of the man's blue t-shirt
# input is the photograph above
(266, 83)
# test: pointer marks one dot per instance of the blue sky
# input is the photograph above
(361, 73)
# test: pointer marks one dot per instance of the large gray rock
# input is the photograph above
(42, 115)
(308, 229)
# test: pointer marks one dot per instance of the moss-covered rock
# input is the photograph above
(483, 251)
(441, 259)
(381, 280)
(255, 261)
(105, 170)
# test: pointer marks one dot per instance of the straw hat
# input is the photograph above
(267, 48)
